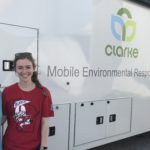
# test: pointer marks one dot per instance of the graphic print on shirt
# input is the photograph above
(25, 114)
(21, 116)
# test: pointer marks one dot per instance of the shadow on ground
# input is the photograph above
(139, 142)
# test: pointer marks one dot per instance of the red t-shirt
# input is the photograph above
(24, 111)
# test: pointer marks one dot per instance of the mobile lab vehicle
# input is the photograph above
(99, 78)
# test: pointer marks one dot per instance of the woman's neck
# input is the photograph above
(26, 86)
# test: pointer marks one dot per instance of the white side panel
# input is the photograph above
(14, 39)
(59, 126)
(87, 128)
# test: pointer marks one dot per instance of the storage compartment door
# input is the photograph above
(89, 122)
(59, 128)
(118, 116)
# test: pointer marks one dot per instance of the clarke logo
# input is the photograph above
(127, 26)
(123, 29)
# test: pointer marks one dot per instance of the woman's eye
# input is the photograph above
(19, 68)
(28, 67)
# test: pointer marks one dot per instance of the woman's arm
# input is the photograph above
(44, 132)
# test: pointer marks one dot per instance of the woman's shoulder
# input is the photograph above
(45, 90)
(10, 87)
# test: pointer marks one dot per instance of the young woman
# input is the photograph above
(27, 108)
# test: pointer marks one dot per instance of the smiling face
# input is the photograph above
(24, 69)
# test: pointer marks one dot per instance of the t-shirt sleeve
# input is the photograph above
(47, 108)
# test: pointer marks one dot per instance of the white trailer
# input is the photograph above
(99, 78)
